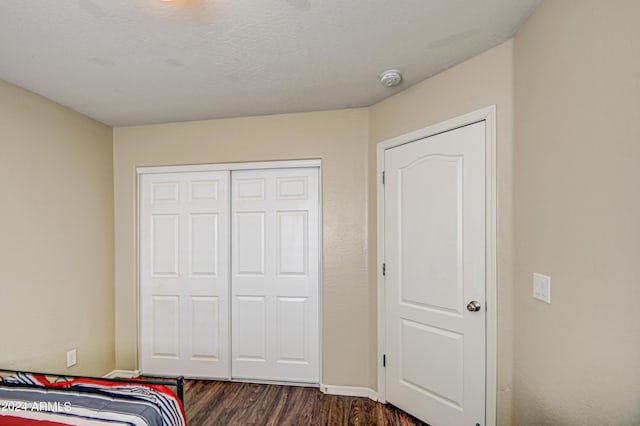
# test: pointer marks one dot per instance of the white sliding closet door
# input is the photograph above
(184, 276)
(275, 274)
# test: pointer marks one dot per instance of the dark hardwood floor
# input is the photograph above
(231, 403)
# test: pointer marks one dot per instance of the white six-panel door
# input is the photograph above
(434, 233)
(275, 274)
(185, 283)
(184, 274)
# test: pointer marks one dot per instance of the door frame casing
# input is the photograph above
(488, 115)
(230, 167)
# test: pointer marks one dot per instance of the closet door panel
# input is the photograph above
(250, 256)
(275, 259)
(184, 274)
(292, 242)
(292, 330)
(204, 245)
(205, 323)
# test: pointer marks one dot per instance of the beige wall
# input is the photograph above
(577, 214)
(479, 82)
(339, 138)
(56, 249)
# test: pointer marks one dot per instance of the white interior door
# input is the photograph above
(184, 274)
(275, 274)
(434, 232)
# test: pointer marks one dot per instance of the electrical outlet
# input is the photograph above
(71, 358)
(542, 287)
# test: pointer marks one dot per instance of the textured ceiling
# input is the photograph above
(128, 62)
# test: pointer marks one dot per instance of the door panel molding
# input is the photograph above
(488, 115)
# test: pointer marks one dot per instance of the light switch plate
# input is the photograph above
(542, 287)
(71, 358)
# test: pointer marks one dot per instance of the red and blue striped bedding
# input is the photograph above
(32, 400)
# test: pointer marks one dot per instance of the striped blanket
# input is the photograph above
(27, 399)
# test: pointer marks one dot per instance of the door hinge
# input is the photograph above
(384, 360)
(384, 269)
(383, 178)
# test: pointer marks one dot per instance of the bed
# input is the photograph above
(36, 399)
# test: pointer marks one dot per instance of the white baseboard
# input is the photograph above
(349, 391)
(124, 374)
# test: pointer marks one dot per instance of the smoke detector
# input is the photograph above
(390, 78)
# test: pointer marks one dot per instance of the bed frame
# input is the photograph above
(178, 382)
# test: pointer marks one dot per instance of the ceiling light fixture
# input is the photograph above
(390, 78)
